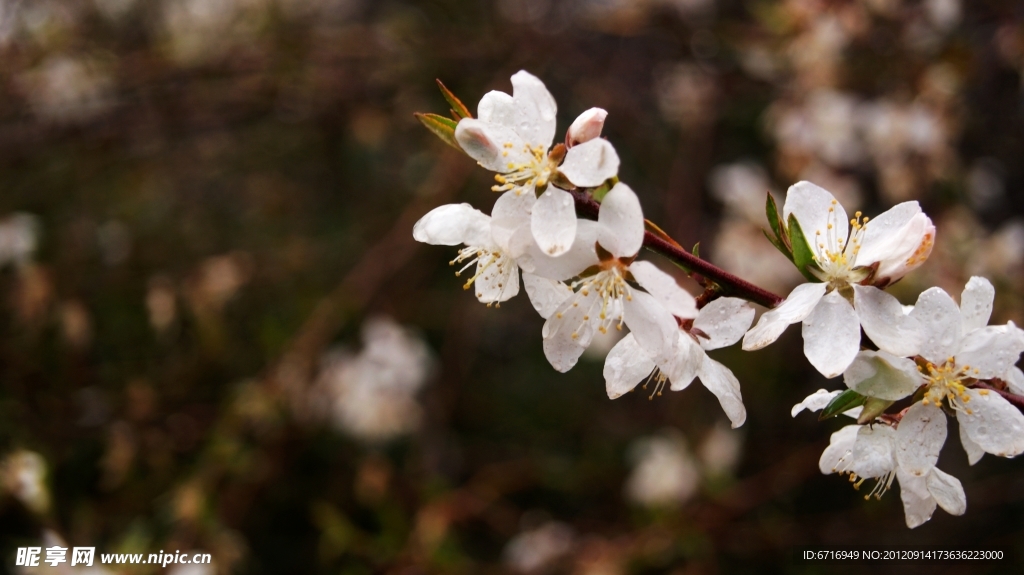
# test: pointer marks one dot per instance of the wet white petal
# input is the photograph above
(454, 224)
(554, 221)
(664, 288)
(498, 281)
(839, 447)
(938, 318)
(1014, 379)
(992, 350)
(798, 305)
(872, 454)
(567, 334)
(831, 335)
(586, 127)
(973, 450)
(486, 143)
(625, 367)
(885, 322)
(947, 492)
(815, 401)
(919, 438)
(510, 212)
(496, 108)
(721, 382)
(535, 109)
(683, 366)
(654, 328)
(893, 238)
(580, 256)
(918, 503)
(993, 423)
(976, 303)
(545, 295)
(882, 375)
(725, 320)
(810, 204)
(622, 222)
(590, 164)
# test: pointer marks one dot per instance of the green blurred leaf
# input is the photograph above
(459, 110)
(774, 220)
(803, 257)
(842, 402)
(442, 127)
(873, 407)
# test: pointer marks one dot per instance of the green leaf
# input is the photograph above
(459, 110)
(842, 402)
(873, 407)
(696, 250)
(442, 127)
(803, 257)
(775, 221)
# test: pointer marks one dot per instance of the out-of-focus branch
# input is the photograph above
(728, 284)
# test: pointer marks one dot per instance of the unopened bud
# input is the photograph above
(586, 127)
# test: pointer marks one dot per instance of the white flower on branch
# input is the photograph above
(956, 349)
(873, 253)
(512, 137)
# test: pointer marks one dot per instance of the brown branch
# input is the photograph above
(730, 285)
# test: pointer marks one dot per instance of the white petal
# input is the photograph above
(918, 503)
(993, 423)
(493, 146)
(684, 365)
(721, 382)
(919, 438)
(580, 256)
(498, 281)
(906, 252)
(545, 295)
(976, 303)
(872, 454)
(992, 350)
(839, 447)
(562, 353)
(567, 334)
(496, 108)
(664, 288)
(622, 222)
(510, 212)
(815, 401)
(973, 450)
(535, 109)
(585, 127)
(810, 204)
(798, 305)
(882, 375)
(938, 320)
(831, 335)
(454, 224)
(885, 236)
(1014, 379)
(625, 367)
(725, 320)
(884, 321)
(947, 492)
(554, 221)
(590, 164)
(654, 328)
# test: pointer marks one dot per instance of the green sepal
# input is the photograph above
(873, 407)
(844, 401)
(771, 210)
(803, 257)
(442, 127)
(696, 250)
(459, 110)
(601, 191)
(778, 245)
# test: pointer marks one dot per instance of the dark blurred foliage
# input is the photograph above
(223, 190)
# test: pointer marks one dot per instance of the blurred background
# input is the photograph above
(219, 335)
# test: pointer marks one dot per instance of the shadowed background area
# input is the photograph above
(218, 333)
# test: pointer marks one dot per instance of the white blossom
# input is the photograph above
(664, 472)
(512, 136)
(878, 252)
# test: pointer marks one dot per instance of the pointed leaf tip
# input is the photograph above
(442, 127)
(459, 110)
(845, 401)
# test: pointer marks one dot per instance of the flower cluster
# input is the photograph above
(583, 277)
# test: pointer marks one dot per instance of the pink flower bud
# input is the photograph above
(586, 127)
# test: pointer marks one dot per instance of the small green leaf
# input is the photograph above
(873, 407)
(459, 110)
(775, 221)
(696, 250)
(442, 127)
(844, 401)
(601, 191)
(803, 257)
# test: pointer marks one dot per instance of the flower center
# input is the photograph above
(605, 310)
(837, 257)
(946, 381)
(535, 171)
(491, 266)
